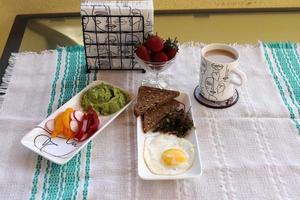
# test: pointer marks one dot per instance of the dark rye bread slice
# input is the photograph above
(149, 97)
(154, 115)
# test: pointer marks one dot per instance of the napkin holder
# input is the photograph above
(110, 34)
(111, 54)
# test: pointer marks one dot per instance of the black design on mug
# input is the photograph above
(203, 66)
(221, 87)
(215, 76)
(210, 87)
(226, 77)
(217, 66)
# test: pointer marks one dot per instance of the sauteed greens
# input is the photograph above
(177, 122)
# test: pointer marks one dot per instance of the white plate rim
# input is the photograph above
(70, 103)
(141, 162)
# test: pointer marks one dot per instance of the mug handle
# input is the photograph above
(242, 76)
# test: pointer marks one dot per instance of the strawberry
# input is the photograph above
(142, 52)
(155, 43)
(159, 57)
(171, 48)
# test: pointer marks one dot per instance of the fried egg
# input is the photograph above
(168, 154)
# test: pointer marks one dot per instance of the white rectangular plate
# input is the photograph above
(143, 170)
(61, 150)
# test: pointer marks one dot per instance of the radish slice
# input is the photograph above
(50, 125)
(78, 115)
(84, 126)
(72, 115)
(74, 126)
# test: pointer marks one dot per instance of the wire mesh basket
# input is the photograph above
(110, 43)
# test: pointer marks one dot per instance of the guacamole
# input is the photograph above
(104, 98)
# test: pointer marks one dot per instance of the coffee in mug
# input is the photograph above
(218, 63)
(220, 56)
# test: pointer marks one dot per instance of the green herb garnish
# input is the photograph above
(177, 122)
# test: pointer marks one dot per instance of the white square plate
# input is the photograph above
(59, 149)
(145, 173)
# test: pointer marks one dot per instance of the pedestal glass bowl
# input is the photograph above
(154, 78)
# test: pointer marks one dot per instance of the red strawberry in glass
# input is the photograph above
(160, 57)
(155, 56)
(171, 48)
(142, 52)
(155, 43)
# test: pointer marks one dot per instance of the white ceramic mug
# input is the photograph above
(216, 78)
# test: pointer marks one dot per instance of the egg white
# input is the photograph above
(155, 146)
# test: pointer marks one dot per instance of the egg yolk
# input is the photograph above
(173, 157)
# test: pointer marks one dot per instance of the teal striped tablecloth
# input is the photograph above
(249, 151)
(284, 63)
(63, 181)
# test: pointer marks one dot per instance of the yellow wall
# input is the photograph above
(215, 4)
(10, 8)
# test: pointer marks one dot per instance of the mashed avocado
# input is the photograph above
(105, 99)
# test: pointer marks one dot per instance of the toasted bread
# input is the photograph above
(150, 97)
(154, 115)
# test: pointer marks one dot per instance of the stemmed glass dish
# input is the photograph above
(155, 79)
